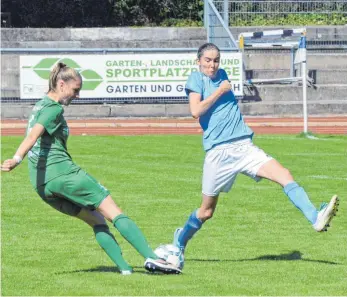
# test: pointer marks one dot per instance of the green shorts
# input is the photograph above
(71, 192)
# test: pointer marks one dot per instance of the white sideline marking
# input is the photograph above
(295, 138)
(327, 177)
(278, 137)
(316, 154)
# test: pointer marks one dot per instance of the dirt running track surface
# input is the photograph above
(132, 126)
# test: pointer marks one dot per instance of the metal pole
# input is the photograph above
(206, 15)
(304, 85)
(292, 58)
(226, 13)
(208, 21)
(242, 50)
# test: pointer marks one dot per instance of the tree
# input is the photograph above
(58, 14)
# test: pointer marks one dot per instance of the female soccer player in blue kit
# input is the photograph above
(227, 141)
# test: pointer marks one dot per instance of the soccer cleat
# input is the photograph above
(126, 272)
(325, 214)
(160, 266)
(176, 236)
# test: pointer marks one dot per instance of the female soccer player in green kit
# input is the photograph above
(64, 185)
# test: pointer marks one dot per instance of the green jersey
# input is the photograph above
(48, 158)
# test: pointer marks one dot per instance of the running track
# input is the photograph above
(133, 126)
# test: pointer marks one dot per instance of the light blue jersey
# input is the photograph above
(223, 121)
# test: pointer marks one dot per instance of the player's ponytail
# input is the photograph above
(61, 71)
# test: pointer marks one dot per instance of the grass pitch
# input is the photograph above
(258, 243)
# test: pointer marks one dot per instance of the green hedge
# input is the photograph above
(291, 19)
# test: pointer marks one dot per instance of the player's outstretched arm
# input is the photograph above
(198, 107)
(23, 149)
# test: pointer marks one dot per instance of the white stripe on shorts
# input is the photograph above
(224, 162)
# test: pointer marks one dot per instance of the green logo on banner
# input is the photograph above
(91, 79)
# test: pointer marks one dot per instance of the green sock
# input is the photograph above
(133, 235)
(109, 244)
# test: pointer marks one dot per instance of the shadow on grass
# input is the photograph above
(137, 269)
(292, 256)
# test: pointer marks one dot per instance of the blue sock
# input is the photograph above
(299, 198)
(190, 228)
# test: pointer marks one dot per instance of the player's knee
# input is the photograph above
(101, 229)
(92, 218)
(206, 214)
(287, 173)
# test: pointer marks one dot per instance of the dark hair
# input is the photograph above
(206, 47)
(63, 72)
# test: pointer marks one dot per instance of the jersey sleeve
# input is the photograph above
(50, 118)
(223, 74)
(194, 84)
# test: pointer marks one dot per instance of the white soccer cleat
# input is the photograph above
(161, 266)
(325, 214)
(126, 272)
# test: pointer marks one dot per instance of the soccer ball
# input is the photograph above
(171, 254)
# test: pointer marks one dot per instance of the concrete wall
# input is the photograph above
(147, 37)
(102, 37)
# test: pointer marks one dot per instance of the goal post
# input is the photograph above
(293, 39)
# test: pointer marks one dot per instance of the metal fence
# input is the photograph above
(216, 23)
(283, 12)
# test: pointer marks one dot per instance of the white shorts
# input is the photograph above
(224, 162)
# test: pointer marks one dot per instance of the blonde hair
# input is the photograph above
(63, 72)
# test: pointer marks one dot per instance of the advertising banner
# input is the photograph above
(137, 75)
